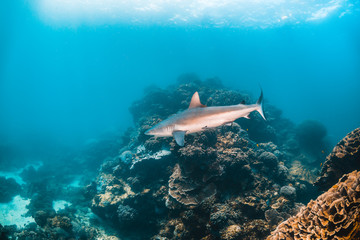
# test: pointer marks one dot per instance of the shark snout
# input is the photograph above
(149, 132)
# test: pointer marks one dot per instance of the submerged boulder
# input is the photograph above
(311, 136)
(9, 188)
(344, 158)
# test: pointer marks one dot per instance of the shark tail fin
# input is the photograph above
(259, 103)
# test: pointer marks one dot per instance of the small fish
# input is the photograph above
(199, 117)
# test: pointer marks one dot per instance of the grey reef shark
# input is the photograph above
(199, 117)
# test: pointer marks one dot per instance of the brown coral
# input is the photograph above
(188, 191)
(333, 215)
(231, 232)
(344, 158)
(61, 222)
(116, 191)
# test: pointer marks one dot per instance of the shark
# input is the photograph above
(199, 117)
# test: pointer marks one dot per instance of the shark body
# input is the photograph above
(199, 117)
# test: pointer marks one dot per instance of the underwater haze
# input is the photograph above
(70, 69)
(82, 80)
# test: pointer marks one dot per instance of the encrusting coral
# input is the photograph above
(344, 158)
(333, 215)
(187, 191)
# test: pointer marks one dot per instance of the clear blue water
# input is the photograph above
(69, 72)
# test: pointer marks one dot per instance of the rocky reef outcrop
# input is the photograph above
(236, 181)
(232, 182)
(344, 158)
(60, 179)
(311, 136)
(8, 189)
(333, 215)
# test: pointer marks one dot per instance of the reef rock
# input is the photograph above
(114, 191)
(223, 184)
(288, 191)
(188, 191)
(8, 189)
(311, 136)
(333, 215)
(126, 214)
(232, 232)
(344, 158)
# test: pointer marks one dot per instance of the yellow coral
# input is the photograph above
(231, 232)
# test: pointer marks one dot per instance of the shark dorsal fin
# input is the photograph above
(195, 101)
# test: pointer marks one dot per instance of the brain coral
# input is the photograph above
(333, 215)
(344, 158)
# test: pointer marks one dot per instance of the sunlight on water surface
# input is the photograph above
(212, 13)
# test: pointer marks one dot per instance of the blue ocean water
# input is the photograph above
(69, 70)
(76, 74)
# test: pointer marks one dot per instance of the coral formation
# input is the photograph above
(333, 215)
(344, 158)
(126, 214)
(288, 192)
(236, 181)
(232, 182)
(312, 138)
(232, 232)
(46, 184)
(8, 189)
(188, 191)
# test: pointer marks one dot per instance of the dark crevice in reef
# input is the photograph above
(232, 182)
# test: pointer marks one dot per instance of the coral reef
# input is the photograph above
(58, 180)
(231, 232)
(188, 191)
(312, 139)
(333, 215)
(8, 189)
(232, 182)
(237, 181)
(344, 158)
(126, 214)
(288, 192)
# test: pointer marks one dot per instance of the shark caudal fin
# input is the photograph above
(260, 105)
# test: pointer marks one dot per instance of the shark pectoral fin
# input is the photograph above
(179, 137)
